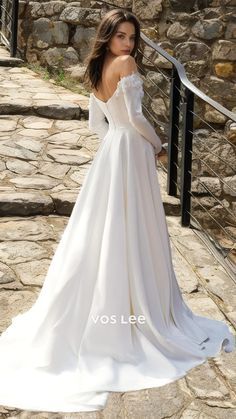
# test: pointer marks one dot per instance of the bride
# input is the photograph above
(113, 262)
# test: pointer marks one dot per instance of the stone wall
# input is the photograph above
(199, 33)
(56, 33)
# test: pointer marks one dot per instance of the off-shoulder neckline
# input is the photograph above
(134, 73)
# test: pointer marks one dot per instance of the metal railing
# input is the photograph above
(8, 24)
(198, 171)
(202, 189)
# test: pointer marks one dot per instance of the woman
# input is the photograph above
(110, 315)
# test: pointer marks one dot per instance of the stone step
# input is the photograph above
(10, 62)
(52, 110)
(42, 164)
(24, 92)
(171, 203)
(6, 60)
(26, 203)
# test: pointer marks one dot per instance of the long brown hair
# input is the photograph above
(105, 31)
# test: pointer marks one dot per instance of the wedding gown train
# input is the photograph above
(77, 343)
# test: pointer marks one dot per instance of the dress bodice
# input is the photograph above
(122, 110)
(115, 108)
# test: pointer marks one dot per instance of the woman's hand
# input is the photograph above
(161, 153)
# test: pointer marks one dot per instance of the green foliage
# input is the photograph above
(59, 76)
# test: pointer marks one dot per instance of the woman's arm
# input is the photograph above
(132, 86)
(96, 122)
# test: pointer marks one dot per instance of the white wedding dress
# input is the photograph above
(78, 342)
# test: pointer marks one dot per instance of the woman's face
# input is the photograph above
(123, 40)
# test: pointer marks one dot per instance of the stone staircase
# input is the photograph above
(46, 146)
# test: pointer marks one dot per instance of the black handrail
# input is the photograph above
(185, 81)
(173, 133)
(14, 27)
(187, 143)
(9, 24)
(179, 77)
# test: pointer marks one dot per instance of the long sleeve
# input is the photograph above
(97, 123)
(132, 86)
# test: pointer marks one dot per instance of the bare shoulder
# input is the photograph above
(126, 65)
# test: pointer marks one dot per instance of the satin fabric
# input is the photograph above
(78, 342)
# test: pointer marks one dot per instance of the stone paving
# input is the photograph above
(24, 92)
(43, 161)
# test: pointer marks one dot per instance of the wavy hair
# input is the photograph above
(105, 30)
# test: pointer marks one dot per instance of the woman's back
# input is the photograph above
(113, 69)
(123, 108)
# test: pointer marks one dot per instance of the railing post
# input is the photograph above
(173, 134)
(186, 165)
(0, 19)
(14, 27)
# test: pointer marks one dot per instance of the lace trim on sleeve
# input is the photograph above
(131, 81)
